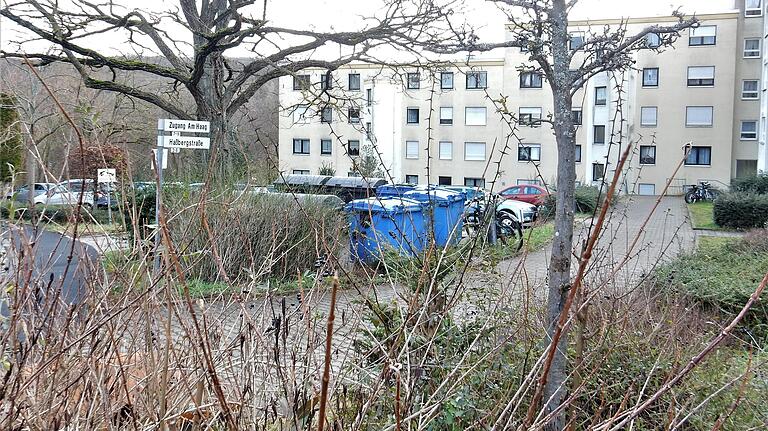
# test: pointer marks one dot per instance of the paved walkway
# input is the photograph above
(291, 327)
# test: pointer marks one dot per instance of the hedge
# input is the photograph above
(587, 200)
(741, 210)
(752, 184)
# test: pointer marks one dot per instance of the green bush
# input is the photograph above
(587, 198)
(256, 236)
(751, 184)
(741, 210)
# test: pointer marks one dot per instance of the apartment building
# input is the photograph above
(475, 122)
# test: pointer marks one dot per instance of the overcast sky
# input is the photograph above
(345, 14)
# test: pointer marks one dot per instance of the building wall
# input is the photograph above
(504, 98)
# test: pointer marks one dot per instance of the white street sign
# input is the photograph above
(165, 158)
(184, 142)
(184, 126)
(107, 175)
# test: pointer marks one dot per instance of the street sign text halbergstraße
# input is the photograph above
(185, 142)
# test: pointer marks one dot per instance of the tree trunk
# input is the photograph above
(560, 261)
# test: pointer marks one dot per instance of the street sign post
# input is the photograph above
(174, 135)
(107, 176)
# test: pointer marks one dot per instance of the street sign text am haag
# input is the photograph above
(184, 126)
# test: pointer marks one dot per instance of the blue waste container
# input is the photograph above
(393, 190)
(379, 224)
(446, 208)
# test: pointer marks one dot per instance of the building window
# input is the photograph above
(301, 146)
(446, 116)
(749, 89)
(301, 172)
(753, 8)
(412, 116)
(474, 151)
(699, 156)
(369, 97)
(599, 135)
(353, 81)
(698, 116)
(301, 114)
(647, 155)
(326, 147)
(576, 117)
(530, 116)
(445, 150)
(413, 81)
(703, 35)
(701, 76)
(652, 40)
(411, 179)
(446, 80)
(529, 153)
(601, 96)
(412, 150)
(576, 41)
(353, 148)
(598, 171)
(577, 157)
(326, 115)
(649, 116)
(477, 80)
(444, 181)
(530, 80)
(751, 48)
(474, 116)
(748, 130)
(301, 82)
(354, 115)
(474, 182)
(651, 77)
(326, 81)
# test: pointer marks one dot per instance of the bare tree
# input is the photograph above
(541, 28)
(219, 85)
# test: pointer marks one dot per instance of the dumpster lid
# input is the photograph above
(302, 180)
(388, 205)
(355, 182)
(434, 194)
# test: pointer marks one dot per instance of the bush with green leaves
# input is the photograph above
(741, 210)
(587, 198)
(752, 184)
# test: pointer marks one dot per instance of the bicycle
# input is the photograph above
(701, 193)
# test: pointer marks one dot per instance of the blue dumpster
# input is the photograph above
(446, 208)
(379, 224)
(393, 190)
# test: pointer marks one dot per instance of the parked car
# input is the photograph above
(524, 212)
(21, 194)
(531, 193)
(94, 191)
(60, 195)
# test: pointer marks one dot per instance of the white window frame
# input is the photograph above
(475, 116)
(330, 148)
(474, 156)
(445, 150)
(649, 69)
(535, 114)
(752, 12)
(690, 109)
(446, 113)
(302, 114)
(752, 53)
(755, 92)
(750, 133)
(411, 176)
(640, 154)
(412, 150)
(652, 40)
(412, 84)
(643, 117)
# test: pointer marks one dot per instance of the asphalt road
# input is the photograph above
(52, 270)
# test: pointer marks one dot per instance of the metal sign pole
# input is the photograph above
(158, 194)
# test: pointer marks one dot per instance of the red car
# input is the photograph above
(531, 193)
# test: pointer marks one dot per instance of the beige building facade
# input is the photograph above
(693, 112)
